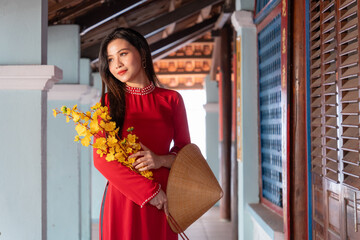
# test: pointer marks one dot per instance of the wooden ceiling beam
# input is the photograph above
(163, 47)
(204, 14)
(105, 13)
(75, 11)
(223, 18)
(161, 22)
(170, 29)
(57, 6)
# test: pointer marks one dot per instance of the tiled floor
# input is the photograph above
(208, 227)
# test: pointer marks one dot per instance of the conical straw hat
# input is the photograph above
(192, 187)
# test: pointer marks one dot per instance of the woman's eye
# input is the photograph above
(123, 54)
(110, 60)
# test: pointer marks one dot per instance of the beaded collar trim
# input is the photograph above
(140, 91)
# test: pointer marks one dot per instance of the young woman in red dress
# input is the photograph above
(134, 207)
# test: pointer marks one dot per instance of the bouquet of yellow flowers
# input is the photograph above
(97, 121)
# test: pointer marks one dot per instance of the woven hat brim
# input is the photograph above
(192, 187)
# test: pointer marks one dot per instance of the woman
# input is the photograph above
(133, 207)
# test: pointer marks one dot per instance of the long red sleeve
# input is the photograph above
(137, 188)
(181, 129)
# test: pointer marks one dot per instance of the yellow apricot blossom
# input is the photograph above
(100, 143)
(96, 106)
(81, 130)
(120, 157)
(108, 127)
(86, 141)
(111, 155)
(94, 127)
(131, 138)
(101, 152)
(76, 117)
(63, 109)
(111, 141)
(97, 122)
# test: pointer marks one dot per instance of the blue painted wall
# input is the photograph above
(98, 181)
(212, 127)
(22, 149)
(64, 51)
(63, 172)
(23, 33)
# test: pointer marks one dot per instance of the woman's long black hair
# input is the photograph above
(114, 87)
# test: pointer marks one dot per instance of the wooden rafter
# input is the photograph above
(91, 45)
(178, 14)
(158, 20)
(204, 14)
(129, 19)
(165, 46)
(58, 6)
(75, 11)
(106, 13)
(170, 29)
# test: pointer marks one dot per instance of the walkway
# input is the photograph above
(208, 227)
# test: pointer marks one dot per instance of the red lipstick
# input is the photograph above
(122, 72)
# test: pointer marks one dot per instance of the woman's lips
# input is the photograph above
(121, 72)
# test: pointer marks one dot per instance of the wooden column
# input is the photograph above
(225, 120)
(298, 162)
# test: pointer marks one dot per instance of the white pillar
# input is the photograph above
(64, 51)
(23, 28)
(68, 171)
(248, 168)
(86, 101)
(212, 125)
(98, 181)
(23, 148)
(85, 72)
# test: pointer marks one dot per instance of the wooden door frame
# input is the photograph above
(283, 9)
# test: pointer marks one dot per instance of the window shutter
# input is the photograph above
(349, 92)
(269, 40)
(316, 88)
(260, 4)
(330, 90)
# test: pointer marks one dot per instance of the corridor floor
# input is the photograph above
(208, 227)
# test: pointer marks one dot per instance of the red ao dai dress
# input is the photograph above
(158, 116)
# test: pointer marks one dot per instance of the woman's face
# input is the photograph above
(125, 64)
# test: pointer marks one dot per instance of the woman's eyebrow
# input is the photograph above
(119, 51)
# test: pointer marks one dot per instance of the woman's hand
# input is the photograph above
(147, 160)
(160, 201)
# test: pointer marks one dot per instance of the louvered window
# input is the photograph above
(269, 40)
(316, 88)
(349, 91)
(260, 4)
(334, 89)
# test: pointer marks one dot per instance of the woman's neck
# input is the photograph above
(139, 84)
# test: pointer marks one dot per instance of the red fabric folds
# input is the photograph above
(158, 118)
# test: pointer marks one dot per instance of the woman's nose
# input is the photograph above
(118, 63)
